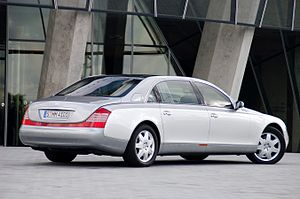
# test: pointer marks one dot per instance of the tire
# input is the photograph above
(59, 156)
(270, 149)
(196, 157)
(142, 148)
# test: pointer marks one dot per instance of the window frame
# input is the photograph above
(156, 94)
(198, 95)
(218, 90)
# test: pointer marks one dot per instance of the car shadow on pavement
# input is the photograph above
(202, 162)
(121, 163)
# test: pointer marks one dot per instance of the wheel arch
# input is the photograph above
(276, 126)
(155, 128)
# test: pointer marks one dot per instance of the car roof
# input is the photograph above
(142, 76)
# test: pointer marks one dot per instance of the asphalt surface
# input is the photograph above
(25, 173)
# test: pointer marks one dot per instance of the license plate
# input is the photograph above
(55, 114)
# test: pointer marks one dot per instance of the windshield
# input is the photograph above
(107, 86)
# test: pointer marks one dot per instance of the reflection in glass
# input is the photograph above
(72, 3)
(247, 11)
(151, 61)
(25, 23)
(170, 7)
(143, 33)
(41, 2)
(297, 15)
(209, 9)
(113, 5)
(144, 6)
(276, 14)
(24, 68)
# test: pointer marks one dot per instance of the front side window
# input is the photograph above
(213, 97)
(105, 86)
(177, 92)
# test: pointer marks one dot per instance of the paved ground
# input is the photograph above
(25, 173)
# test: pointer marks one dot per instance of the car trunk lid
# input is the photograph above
(67, 109)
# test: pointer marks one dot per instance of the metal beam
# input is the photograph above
(261, 12)
(234, 11)
(55, 5)
(293, 14)
(89, 5)
(155, 8)
(185, 8)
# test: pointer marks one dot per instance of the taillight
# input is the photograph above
(25, 118)
(96, 120)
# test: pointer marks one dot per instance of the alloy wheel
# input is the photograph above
(268, 147)
(144, 146)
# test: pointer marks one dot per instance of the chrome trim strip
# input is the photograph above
(181, 148)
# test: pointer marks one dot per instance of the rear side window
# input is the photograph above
(177, 92)
(101, 87)
(213, 97)
(152, 97)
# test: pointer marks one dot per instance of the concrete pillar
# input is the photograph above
(224, 48)
(67, 35)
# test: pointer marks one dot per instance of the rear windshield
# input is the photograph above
(101, 87)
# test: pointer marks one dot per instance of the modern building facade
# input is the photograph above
(248, 48)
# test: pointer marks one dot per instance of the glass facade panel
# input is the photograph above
(34, 2)
(246, 15)
(72, 3)
(277, 12)
(113, 5)
(25, 23)
(170, 7)
(24, 69)
(151, 61)
(209, 9)
(297, 15)
(98, 26)
(143, 33)
(144, 6)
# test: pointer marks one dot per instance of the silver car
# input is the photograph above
(140, 117)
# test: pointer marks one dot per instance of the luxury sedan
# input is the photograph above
(139, 117)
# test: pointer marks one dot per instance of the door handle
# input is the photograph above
(214, 115)
(167, 113)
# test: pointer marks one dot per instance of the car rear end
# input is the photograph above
(75, 118)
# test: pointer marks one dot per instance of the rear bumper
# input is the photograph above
(67, 137)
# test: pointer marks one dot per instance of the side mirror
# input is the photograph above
(239, 104)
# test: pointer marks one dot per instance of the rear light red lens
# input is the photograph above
(97, 120)
(26, 120)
